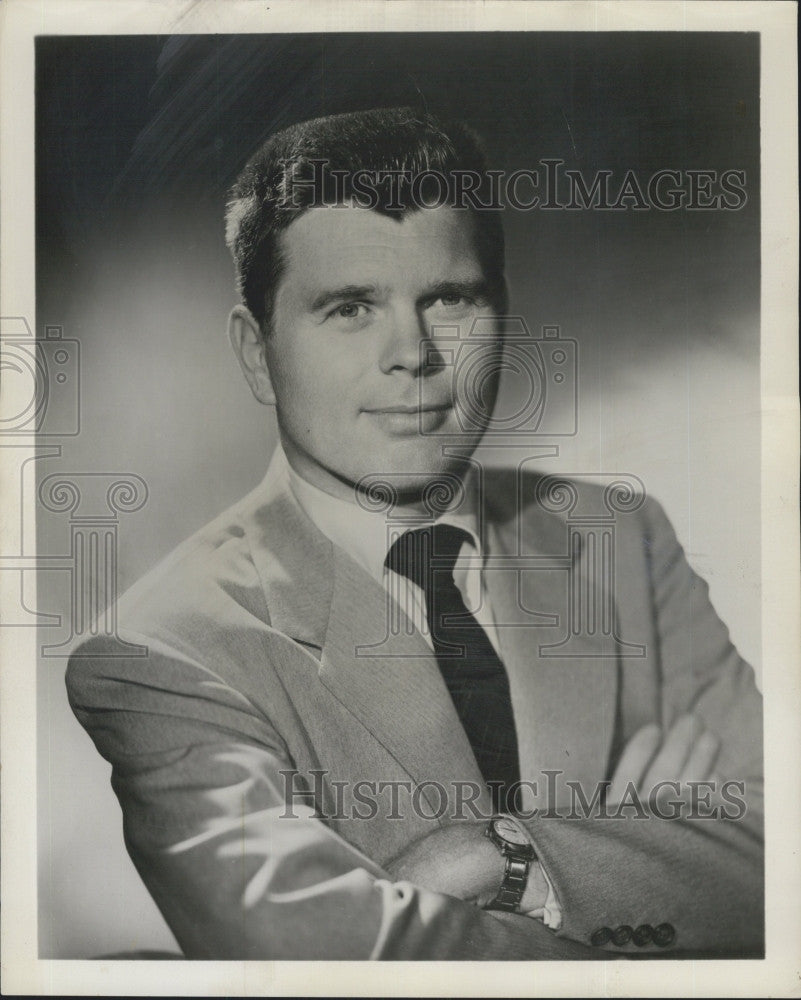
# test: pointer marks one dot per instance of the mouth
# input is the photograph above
(412, 409)
(404, 420)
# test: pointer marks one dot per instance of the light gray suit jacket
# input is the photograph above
(251, 629)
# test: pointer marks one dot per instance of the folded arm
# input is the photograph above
(197, 771)
(703, 876)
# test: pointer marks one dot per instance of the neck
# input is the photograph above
(442, 491)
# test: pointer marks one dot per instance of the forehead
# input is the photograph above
(350, 244)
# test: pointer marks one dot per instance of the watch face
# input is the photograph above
(508, 830)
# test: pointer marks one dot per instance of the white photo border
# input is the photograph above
(776, 975)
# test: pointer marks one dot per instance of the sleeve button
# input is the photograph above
(622, 935)
(643, 935)
(601, 937)
(664, 935)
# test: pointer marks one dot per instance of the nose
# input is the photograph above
(407, 347)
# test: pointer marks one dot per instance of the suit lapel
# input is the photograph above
(389, 679)
(294, 560)
(564, 706)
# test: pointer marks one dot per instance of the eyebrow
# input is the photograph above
(329, 295)
(475, 289)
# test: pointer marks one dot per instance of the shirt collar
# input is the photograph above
(364, 534)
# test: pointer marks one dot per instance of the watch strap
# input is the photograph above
(513, 886)
(518, 859)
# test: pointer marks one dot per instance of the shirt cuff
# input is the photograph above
(551, 911)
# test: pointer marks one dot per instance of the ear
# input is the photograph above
(248, 344)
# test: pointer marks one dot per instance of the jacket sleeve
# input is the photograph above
(702, 876)
(197, 771)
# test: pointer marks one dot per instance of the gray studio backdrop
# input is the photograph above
(138, 139)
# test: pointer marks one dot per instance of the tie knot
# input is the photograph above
(417, 554)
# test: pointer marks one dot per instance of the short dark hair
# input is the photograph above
(275, 188)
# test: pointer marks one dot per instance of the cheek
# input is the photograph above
(319, 384)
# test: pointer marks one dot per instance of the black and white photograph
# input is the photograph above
(400, 417)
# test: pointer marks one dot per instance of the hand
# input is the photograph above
(457, 860)
(687, 753)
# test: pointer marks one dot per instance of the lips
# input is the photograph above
(406, 420)
(410, 409)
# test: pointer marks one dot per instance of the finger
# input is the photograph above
(699, 764)
(634, 761)
(669, 762)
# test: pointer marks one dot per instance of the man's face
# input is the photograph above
(359, 295)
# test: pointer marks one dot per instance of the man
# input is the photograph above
(354, 734)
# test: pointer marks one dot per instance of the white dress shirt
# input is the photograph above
(366, 535)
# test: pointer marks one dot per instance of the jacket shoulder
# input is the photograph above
(206, 585)
(535, 494)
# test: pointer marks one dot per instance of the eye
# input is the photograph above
(453, 299)
(453, 305)
(349, 310)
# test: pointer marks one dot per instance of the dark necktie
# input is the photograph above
(470, 667)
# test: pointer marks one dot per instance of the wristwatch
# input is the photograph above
(516, 848)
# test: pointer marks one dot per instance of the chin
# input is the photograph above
(410, 468)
